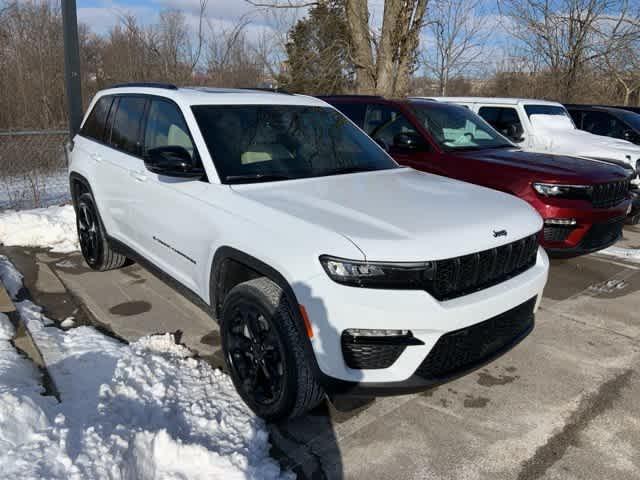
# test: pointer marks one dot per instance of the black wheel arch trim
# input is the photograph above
(76, 177)
(225, 253)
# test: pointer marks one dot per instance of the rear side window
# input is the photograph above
(95, 125)
(127, 122)
(503, 119)
(166, 127)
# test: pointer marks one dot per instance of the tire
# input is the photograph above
(94, 245)
(285, 385)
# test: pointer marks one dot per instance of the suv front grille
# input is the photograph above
(461, 350)
(459, 276)
(606, 195)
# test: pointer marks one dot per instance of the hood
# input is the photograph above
(550, 167)
(401, 214)
(562, 136)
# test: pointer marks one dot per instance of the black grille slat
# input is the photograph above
(454, 277)
(557, 233)
(606, 195)
(464, 349)
(368, 356)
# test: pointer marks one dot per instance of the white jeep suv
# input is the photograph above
(329, 268)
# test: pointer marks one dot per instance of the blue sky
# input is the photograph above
(101, 15)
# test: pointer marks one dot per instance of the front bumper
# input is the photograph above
(455, 354)
(334, 308)
(594, 229)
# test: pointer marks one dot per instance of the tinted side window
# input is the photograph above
(166, 126)
(503, 119)
(94, 126)
(397, 123)
(601, 123)
(125, 131)
(355, 111)
(377, 116)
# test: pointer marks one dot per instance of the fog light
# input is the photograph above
(560, 221)
(360, 332)
(367, 336)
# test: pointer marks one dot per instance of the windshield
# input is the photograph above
(546, 110)
(458, 128)
(257, 143)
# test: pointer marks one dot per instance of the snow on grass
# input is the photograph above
(631, 254)
(147, 410)
(53, 227)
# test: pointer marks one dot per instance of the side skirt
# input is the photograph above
(179, 287)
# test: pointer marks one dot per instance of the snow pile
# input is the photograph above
(10, 277)
(53, 227)
(148, 410)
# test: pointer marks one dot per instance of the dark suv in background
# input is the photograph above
(583, 202)
(607, 121)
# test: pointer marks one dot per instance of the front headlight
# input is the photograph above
(411, 276)
(574, 192)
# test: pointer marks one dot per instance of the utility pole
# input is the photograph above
(73, 85)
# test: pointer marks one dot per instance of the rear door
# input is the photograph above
(90, 145)
(121, 163)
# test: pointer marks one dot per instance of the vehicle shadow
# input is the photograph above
(309, 445)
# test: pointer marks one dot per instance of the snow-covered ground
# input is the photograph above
(147, 410)
(53, 227)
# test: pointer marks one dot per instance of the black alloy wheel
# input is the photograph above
(89, 232)
(255, 353)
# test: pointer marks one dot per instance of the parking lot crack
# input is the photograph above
(589, 408)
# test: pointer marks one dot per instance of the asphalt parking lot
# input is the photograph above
(562, 404)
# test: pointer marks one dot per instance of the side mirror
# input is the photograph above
(409, 141)
(630, 136)
(172, 161)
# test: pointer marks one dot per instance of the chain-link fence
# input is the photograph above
(33, 169)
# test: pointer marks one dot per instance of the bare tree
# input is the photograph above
(459, 40)
(566, 35)
(384, 60)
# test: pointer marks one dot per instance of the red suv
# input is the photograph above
(583, 202)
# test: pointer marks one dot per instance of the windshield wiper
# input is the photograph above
(256, 177)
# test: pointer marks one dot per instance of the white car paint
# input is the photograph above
(392, 215)
(553, 134)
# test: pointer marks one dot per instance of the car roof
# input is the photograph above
(600, 108)
(492, 100)
(215, 96)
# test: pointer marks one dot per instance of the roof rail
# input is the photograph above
(348, 95)
(268, 89)
(166, 86)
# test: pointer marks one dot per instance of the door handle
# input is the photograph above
(96, 156)
(139, 176)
